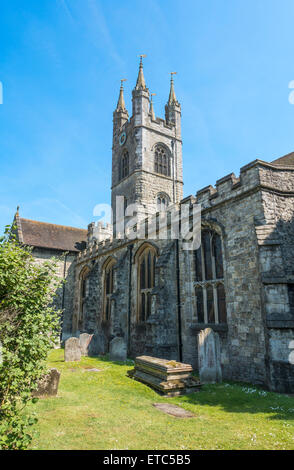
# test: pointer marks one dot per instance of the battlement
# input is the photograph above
(257, 174)
(99, 248)
(162, 123)
(160, 225)
(158, 121)
(99, 232)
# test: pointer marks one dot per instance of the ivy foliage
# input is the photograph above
(29, 326)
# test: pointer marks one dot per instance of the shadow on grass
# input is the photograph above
(128, 362)
(105, 358)
(243, 398)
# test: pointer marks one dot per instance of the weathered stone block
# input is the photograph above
(72, 350)
(209, 356)
(48, 384)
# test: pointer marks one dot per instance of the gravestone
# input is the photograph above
(48, 384)
(118, 349)
(97, 345)
(209, 359)
(72, 350)
(85, 340)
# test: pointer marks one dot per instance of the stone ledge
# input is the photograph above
(280, 324)
(273, 280)
(248, 180)
(213, 326)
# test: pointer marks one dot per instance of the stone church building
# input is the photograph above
(158, 296)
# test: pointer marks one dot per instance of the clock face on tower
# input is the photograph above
(122, 138)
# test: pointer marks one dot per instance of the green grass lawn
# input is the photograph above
(108, 410)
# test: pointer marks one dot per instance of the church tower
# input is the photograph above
(146, 151)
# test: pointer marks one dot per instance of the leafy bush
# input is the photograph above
(29, 325)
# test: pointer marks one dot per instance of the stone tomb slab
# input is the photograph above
(173, 410)
(169, 377)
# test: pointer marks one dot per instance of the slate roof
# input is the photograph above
(286, 160)
(52, 236)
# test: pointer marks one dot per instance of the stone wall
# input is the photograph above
(243, 339)
(276, 255)
(158, 335)
(65, 294)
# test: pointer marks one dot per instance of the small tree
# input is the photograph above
(29, 326)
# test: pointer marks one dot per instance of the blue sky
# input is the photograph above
(60, 65)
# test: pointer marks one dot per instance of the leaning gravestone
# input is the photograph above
(48, 384)
(118, 349)
(72, 350)
(209, 356)
(85, 340)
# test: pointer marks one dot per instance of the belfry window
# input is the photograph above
(124, 165)
(146, 282)
(162, 202)
(209, 280)
(161, 161)
(108, 288)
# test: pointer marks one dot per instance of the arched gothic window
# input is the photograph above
(209, 285)
(108, 273)
(124, 165)
(146, 281)
(161, 161)
(162, 202)
(84, 291)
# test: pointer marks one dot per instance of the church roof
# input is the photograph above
(286, 160)
(52, 236)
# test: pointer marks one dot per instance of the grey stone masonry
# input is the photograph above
(142, 184)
